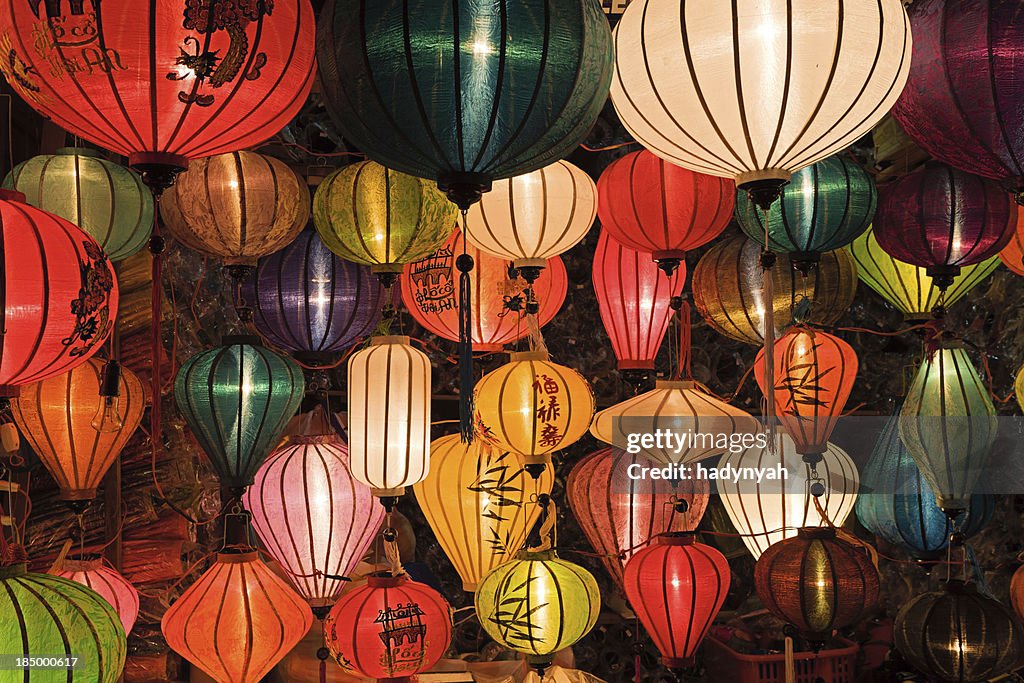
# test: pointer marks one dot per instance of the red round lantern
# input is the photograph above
(390, 628)
(430, 292)
(653, 206)
(676, 587)
(634, 301)
(90, 571)
(58, 294)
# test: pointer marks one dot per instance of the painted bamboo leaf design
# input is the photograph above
(514, 616)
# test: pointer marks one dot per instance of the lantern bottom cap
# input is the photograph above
(780, 175)
(469, 587)
(78, 494)
(388, 493)
(635, 365)
(678, 662)
(387, 268)
(487, 348)
(530, 263)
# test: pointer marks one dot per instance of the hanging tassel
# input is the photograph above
(685, 341)
(548, 532)
(391, 553)
(466, 381)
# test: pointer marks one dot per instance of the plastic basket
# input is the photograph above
(832, 666)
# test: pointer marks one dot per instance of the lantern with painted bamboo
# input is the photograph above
(78, 422)
(1013, 253)
(90, 571)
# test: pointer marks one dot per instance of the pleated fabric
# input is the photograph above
(107, 582)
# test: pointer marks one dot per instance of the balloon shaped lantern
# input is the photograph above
(1013, 253)
(465, 93)
(90, 571)
(107, 200)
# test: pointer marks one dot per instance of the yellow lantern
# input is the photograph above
(481, 503)
(389, 415)
(1018, 387)
(533, 406)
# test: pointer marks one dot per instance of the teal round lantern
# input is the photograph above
(51, 617)
(237, 400)
(465, 92)
(108, 201)
(824, 207)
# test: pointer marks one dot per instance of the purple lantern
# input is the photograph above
(308, 301)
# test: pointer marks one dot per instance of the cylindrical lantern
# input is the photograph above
(676, 586)
(57, 616)
(480, 502)
(58, 294)
(533, 406)
(535, 216)
(430, 290)
(538, 604)
(1013, 253)
(238, 620)
(656, 207)
(236, 207)
(816, 582)
(728, 282)
(308, 301)
(107, 200)
(389, 415)
(90, 571)
(369, 214)
(64, 420)
(620, 513)
(237, 400)
(389, 629)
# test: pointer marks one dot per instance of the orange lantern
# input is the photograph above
(1013, 253)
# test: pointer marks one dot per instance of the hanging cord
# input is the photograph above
(465, 265)
(684, 369)
(548, 531)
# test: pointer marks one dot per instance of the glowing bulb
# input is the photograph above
(107, 417)
(482, 48)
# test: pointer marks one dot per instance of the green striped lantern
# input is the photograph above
(48, 616)
(237, 400)
(107, 200)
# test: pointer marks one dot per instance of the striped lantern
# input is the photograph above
(90, 571)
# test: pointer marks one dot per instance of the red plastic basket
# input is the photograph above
(833, 666)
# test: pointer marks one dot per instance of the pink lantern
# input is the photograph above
(90, 571)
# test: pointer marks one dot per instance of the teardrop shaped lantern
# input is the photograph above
(106, 200)
(948, 423)
(237, 400)
(816, 582)
(728, 281)
(480, 502)
(695, 85)
(620, 513)
(908, 287)
(58, 417)
(56, 615)
(90, 571)
(771, 510)
(814, 373)
(465, 93)
(236, 207)
(677, 587)
(430, 290)
(533, 406)
(369, 214)
(650, 205)
(58, 294)
(389, 628)
(238, 620)
(311, 303)
(1013, 253)
(389, 415)
(683, 407)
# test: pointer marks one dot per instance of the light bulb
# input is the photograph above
(107, 417)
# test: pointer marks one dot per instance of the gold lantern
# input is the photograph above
(1018, 387)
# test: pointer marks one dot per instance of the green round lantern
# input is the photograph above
(50, 617)
(237, 400)
(108, 201)
(824, 207)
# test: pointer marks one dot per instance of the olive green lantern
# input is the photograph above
(108, 201)
(237, 400)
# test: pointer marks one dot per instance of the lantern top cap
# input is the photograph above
(386, 580)
(226, 557)
(959, 587)
(536, 555)
(78, 152)
(682, 385)
(83, 562)
(678, 538)
(12, 196)
(382, 340)
(816, 533)
(517, 356)
(239, 339)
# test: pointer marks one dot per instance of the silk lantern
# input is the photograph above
(533, 406)
(106, 200)
(237, 400)
(465, 93)
(389, 629)
(816, 582)
(1018, 387)
(771, 510)
(696, 85)
(942, 219)
(430, 290)
(59, 294)
(107, 582)
(480, 502)
(728, 281)
(656, 207)
(389, 415)
(165, 82)
(949, 424)
(907, 287)
(1013, 253)
(238, 620)
(58, 417)
(1017, 592)
(619, 514)
(677, 586)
